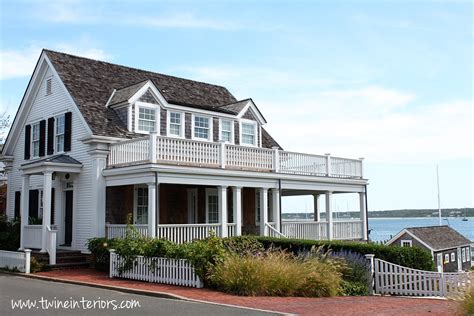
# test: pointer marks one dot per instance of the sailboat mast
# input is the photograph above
(439, 203)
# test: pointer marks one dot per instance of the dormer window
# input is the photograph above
(227, 131)
(175, 124)
(35, 139)
(146, 119)
(248, 132)
(202, 129)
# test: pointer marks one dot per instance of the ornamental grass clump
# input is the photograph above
(275, 273)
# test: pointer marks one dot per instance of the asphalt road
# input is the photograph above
(51, 298)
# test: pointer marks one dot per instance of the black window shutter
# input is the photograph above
(42, 140)
(50, 150)
(33, 204)
(27, 141)
(17, 204)
(52, 206)
(67, 131)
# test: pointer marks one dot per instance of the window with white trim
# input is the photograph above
(226, 131)
(212, 206)
(202, 127)
(463, 254)
(146, 119)
(248, 134)
(446, 258)
(40, 204)
(60, 123)
(141, 211)
(175, 124)
(35, 139)
(257, 206)
(406, 243)
(453, 257)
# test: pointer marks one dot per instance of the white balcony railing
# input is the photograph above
(158, 149)
(343, 230)
(181, 233)
(348, 229)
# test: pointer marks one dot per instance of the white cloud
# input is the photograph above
(15, 63)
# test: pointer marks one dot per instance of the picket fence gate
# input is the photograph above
(156, 269)
(390, 278)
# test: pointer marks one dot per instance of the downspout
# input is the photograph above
(157, 203)
(366, 212)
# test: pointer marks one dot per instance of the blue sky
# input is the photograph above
(389, 81)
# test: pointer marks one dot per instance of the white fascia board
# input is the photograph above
(110, 98)
(22, 113)
(143, 89)
(250, 104)
(309, 180)
(199, 111)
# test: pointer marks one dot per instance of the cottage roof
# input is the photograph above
(92, 82)
(436, 237)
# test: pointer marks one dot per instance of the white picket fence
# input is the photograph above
(16, 260)
(155, 269)
(390, 278)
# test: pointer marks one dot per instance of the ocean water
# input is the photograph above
(382, 229)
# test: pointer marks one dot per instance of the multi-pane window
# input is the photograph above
(212, 209)
(60, 133)
(248, 134)
(175, 124)
(40, 204)
(453, 257)
(406, 243)
(257, 206)
(226, 131)
(463, 254)
(146, 119)
(142, 206)
(201, 127)
(35, 139)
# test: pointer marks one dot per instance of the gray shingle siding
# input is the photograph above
(215, 129)
(187, 125)
(163, 122)
(123, 115)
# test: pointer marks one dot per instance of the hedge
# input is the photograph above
(411, 257)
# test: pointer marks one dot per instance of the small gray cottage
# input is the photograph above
(451, 251)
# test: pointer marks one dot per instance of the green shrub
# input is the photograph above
(275, 273)
(9, 234)
(35, 265)
(411, 257)
(99, 248)
(350, 288)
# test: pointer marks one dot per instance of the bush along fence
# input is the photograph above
(15, 260)
(154, 269)
(389, 278)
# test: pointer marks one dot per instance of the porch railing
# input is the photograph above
(231, 229)
(305, 230)
(158, 149)
(348, 229)
(119, 230)
(33, 235)
(181, 233)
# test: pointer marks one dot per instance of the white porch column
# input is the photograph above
(24, 206)
(222, 203)
(263, 211)
(363, 215)
(276, 208)
(329, 215)
(47, 184)
(237, 208)
(317, 216)
(151, 210)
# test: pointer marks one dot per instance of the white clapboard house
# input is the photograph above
(93, 142)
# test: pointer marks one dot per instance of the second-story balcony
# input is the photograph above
(184, 152)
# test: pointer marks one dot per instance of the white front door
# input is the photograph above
(192, 206)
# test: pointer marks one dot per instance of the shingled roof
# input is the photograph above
(91, 83)
(439, 237)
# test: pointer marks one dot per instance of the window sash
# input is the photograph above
(60, 130)
(226, 131)
(248, 133)
(201, 127)
(35, 139)
(212, 209)
(141, 214)
(146, 119)
(175, 124)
